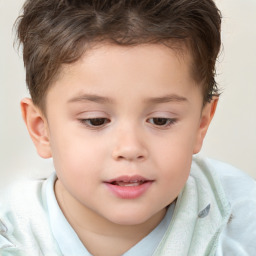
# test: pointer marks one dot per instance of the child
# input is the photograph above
(123, 92)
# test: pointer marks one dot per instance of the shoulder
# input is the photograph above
(237, 184)
(239, 235)
(22, 216)
(21, 196)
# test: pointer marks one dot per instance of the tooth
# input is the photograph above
(128, 184)
(132, 184)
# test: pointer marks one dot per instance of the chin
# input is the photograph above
(130, 218)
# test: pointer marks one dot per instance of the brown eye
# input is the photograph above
(161, 121)
(95, 121)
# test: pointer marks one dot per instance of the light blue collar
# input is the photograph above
(70, 244)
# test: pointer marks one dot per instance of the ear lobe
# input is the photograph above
(37, 127)
(205, 120)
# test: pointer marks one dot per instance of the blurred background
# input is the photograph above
(231, 137)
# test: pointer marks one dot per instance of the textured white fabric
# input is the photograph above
(228, 229)
(215, 214)
(26, 223)
(194, 230)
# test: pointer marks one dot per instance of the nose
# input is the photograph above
(129, 146)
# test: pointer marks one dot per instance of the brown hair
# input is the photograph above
(56, 32)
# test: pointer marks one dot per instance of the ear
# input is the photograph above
(37, 127)
(208, 112)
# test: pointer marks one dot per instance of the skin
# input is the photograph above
(132, 88)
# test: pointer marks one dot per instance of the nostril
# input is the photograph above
(128, 156)
(130, 151)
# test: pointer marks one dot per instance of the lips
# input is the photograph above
(129, 187)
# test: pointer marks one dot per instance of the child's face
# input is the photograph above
(123, 124)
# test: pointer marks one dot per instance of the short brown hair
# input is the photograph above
(56, 32)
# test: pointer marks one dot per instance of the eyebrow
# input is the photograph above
(152, 100)
(166, 99)
(91, 97)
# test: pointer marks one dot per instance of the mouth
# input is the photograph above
(128, 181)
(129, 187)
(128, 184)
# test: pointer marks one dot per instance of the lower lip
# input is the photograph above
(131, 192)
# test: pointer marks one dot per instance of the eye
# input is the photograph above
(95, 122)
(161, 121)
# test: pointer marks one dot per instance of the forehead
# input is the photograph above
(109, 68)
(112, 58)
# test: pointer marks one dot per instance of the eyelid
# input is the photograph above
(85, 122)
(92, 114)
(171, 119)
(170, 122)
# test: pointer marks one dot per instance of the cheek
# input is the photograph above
(176, 168)
(174, 157)
(76, 155)
(175, 176)
(76, 166)
(176, 149)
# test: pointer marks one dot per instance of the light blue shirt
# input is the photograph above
(70, 243)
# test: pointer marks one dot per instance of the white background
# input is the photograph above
(231, 137)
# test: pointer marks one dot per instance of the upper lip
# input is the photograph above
(126, 178)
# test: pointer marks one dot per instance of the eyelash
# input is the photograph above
(167, 121)
(101, 122)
